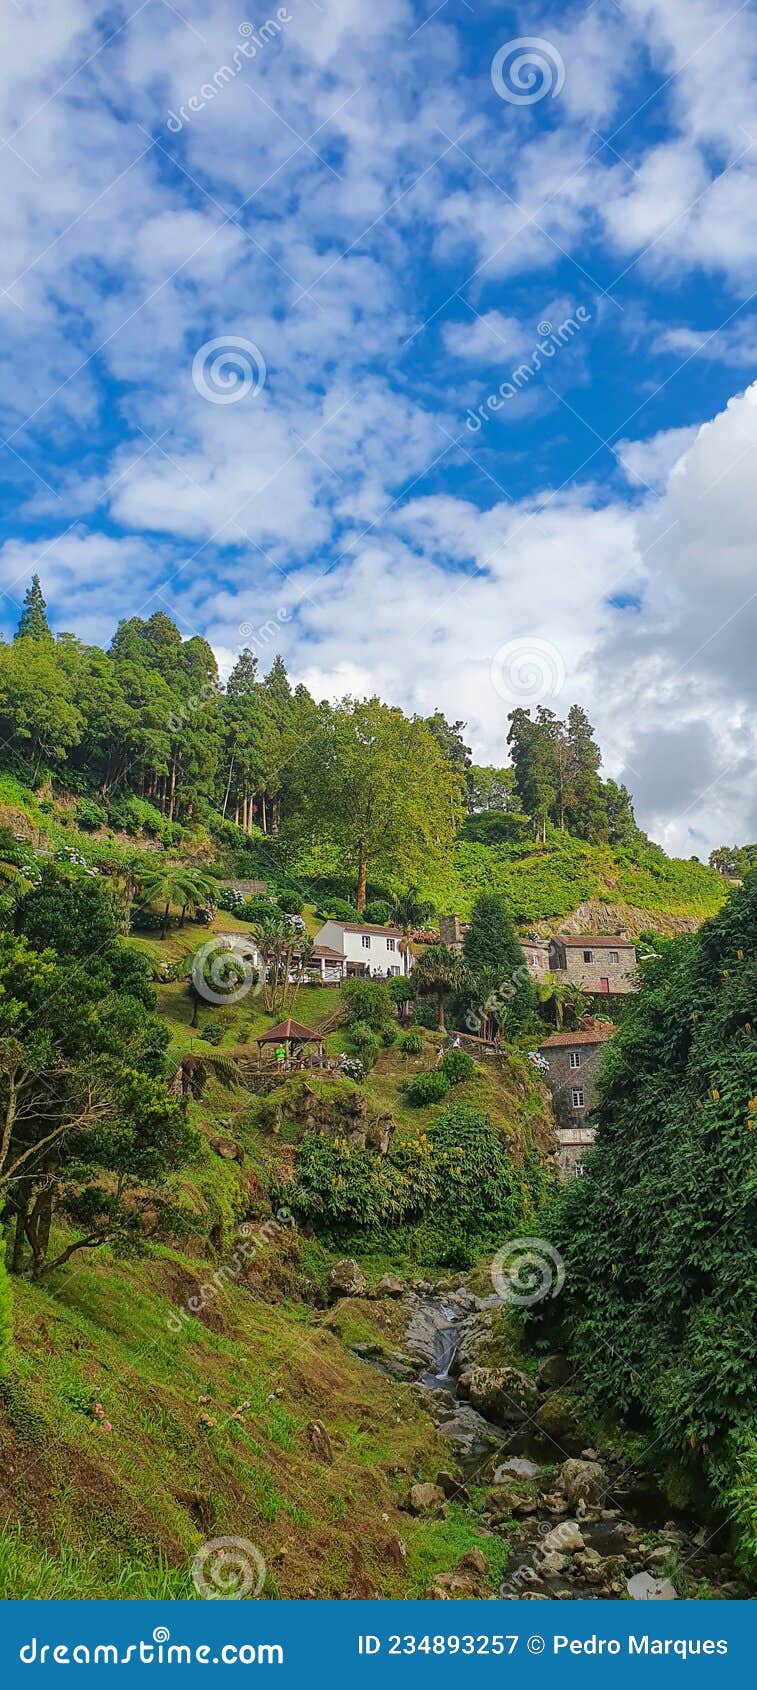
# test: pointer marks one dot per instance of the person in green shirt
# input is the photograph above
(280, 1056)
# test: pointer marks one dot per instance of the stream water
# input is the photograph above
(621, 1538)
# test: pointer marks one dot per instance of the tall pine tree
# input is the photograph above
(33, 623)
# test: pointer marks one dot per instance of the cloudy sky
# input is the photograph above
(414, 340)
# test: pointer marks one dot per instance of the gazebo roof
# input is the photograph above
(290, 1031)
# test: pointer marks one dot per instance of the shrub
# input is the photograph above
(338, 910)
(89, 815)
(368, 1001)
(135, 815)
(366, 1042)
(388, 1034)
(212, 1032)
(290, 900)
(411, 1044)
(443, 1194)
(458, 1066)
(229, 898)
(378, 913)
(353, 1068)
(428, 1088)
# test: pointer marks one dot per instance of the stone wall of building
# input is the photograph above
(563, 1080)
(569, 963)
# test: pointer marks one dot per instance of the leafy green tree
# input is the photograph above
(33, 623)
(376, 785)
(488, 788)
(498, 969)
(86, 1121)
(659, 1310)
(438, 973)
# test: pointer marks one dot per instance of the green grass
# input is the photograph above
(434, 1546)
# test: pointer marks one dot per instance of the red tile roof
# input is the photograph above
(366, 927)
(588, 1036)
(595, 941)
(290, 1030)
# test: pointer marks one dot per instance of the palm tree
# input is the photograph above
(438, 972)
(410, 911)
(563, 995)
(194, 1071)
(173, 885)
(276, 940)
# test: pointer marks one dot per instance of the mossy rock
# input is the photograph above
(559, 1418)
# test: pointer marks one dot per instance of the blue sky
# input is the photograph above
(261, 272)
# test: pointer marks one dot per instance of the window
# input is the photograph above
(390, 945)
(366, 941)
(615, 956)
(575, 1059)
(588, 956)
(578, 1169)
(392, 972)
(578, 1097)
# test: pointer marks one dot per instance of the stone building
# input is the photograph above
(536, 953)
(572, 1062)
(597, 962)
(452, 931)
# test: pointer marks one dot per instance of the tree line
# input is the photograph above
(147, 731)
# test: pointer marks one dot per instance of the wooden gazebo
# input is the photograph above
(291, 1037)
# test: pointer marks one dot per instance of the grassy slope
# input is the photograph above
(209, 1439)
(89, 1513)
(546, 884)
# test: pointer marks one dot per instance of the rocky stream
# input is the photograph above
(588, 1526)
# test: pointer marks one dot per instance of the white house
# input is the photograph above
(360, 949)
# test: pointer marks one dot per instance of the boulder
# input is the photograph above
(389, 1286)
(564, 1539)
(551, 1372)
(551, 1565)
(502, 1394)
(346, 1279)
(559, 1419)
(425, 1498)
(471, 1561)
(642, 1587)
(582, 1481)
(518, 1468)
(227, 1148)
